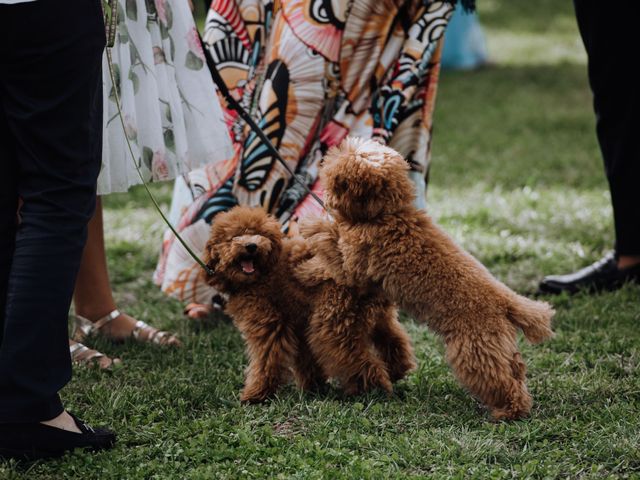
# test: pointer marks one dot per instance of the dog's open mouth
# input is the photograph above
(248, 266)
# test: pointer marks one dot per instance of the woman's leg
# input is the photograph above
(93, 297)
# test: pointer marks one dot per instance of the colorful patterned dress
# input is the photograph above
(172, 114)
(310, 72)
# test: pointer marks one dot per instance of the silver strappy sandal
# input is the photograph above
(85, 356)
(85, 328)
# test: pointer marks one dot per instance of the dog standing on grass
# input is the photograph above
(354, 331)
(314, 327)
(252, 263)
(378, 236)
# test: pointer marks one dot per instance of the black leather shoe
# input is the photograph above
(32, 441)
(604, 275)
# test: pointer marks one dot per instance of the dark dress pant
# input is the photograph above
(50, 157)
(609, 31)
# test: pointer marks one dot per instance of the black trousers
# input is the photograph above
(50, 156)
(609, 33)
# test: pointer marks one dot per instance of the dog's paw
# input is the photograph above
(401, 369)
(313, 385)
(311, 226)
(369, 378)
(253, 396)
(351, 388)
(517, 404)
(384, 384)
(508, 414)
(309, 378)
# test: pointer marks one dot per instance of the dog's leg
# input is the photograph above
(271, 344)
(340, 339)
(308, 374)
(489, 365)
(393, 343)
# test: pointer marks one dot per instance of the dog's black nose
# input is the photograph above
(251, 247)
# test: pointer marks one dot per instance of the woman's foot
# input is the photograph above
(51, 438)
(64, 421)
(119, 326)
(85, 356)
(198, 311)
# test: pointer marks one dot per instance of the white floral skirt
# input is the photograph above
(172, 115)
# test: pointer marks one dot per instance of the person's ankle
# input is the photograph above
(94, 312)
(627, 261)
(64, 421)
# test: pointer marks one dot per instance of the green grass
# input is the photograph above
(518, 180)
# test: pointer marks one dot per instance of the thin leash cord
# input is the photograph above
(135, 163)
(233, 104)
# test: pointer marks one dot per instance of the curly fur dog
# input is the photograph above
(252, 263)
(380, 237)
(354, 332)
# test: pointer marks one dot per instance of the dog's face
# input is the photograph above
(364, 179)
(245, 244)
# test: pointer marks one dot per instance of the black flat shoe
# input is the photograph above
(603, 275)
(32, 441)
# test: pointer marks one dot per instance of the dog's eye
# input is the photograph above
(340, 185)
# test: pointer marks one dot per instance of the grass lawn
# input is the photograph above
(518, 180)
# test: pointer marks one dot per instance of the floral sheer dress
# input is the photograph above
(173, 118)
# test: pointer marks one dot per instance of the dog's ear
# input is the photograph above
(211, 257)
(340, 184)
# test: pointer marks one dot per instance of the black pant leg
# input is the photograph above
(8, 207)
(51, 97)
(609, 32)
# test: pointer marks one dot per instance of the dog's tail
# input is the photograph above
(533, 317)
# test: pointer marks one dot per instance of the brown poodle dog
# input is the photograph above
(252, 263)
(354, 332)
(378, 236)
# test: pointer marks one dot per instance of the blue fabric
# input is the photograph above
(465, 47)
